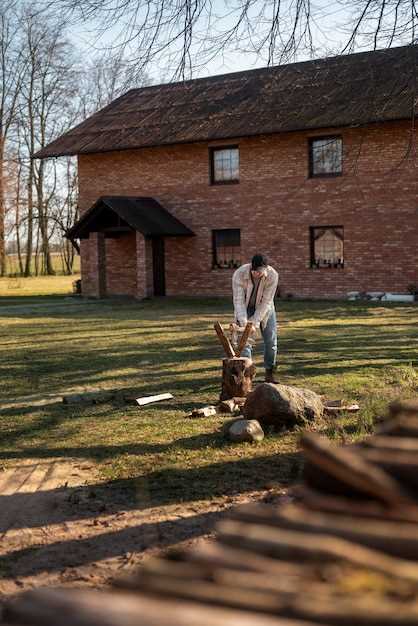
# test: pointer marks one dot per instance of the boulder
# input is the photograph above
(282, 405)
(245, 430)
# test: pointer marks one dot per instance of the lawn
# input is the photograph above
(362, 352)
(19, 290)
(12, 263)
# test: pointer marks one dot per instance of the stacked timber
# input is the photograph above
(343, 553)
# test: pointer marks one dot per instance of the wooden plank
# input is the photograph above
(49, 607)
(401, 426)
(393, 444)
(157, 398)
(216, 555)
(309, 547)
(317, 501)
(244, 338)
(399, 539)
(404, 407)
(401, 465)
(226, 344)
(348, 467)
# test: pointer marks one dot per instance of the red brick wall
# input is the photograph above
(274, 205)
(121, 265)
(89, 266)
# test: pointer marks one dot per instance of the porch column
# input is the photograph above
(144, 276)
(93, 266)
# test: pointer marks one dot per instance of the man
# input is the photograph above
(254, 287)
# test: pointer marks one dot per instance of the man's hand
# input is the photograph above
(255, 326)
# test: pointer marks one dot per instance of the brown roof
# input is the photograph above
(145, 215)
(354, 89)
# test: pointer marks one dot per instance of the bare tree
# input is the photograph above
(188, 35)
(12, 68)
(45, 113)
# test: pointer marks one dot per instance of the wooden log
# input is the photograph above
(226, 344)
(290, 545)
(347, 467)
(399, 539)
(237, 377)
(49, 607)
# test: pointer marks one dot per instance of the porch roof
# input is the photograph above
(143, 214)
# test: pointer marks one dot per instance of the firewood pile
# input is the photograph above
(343, 552)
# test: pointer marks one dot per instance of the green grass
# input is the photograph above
(361, 352)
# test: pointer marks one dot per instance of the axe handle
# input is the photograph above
(226, 344)
(244, 338)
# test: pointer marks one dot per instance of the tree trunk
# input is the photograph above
(17, 220)
(2, 208)
(237, 377)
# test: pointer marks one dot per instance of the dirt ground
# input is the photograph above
(60, 529)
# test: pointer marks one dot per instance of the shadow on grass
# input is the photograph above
(155, 489)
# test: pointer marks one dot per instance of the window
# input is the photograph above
(226, 248)
(327, 246)
(325, 156)
(224, 165)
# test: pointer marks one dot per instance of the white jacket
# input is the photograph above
(242, 286)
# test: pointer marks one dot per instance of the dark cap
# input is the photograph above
(258, 261)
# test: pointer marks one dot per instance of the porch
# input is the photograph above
(122, 244)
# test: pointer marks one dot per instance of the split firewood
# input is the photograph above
(317, 501)
(254, 591)
(381, 442)
(401, 426)
(407, 408)
(223, 586)
(309, 547)
(228, 406)
(226, 344)
(396, 538)
(346, 467)
(216, 555)
(333, 408)
(401, 465)
(206, 411)
(92, 608)
(150, 399)
(248, 330)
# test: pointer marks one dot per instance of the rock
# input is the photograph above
(245, 430)
(282, 405)
(206, 411)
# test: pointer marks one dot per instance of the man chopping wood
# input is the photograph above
(254, 287)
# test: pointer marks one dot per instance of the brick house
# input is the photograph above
(312, 163)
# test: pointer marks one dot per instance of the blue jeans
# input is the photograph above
(269, 334)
